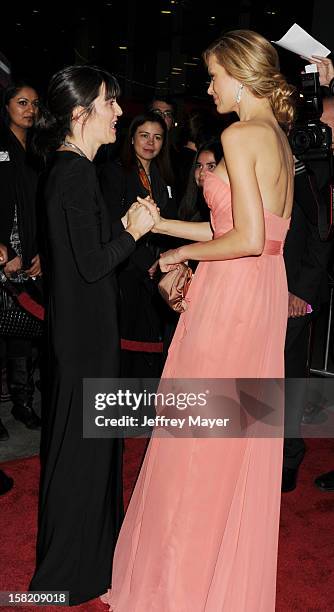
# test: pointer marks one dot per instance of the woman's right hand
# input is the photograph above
(12, 266)
(140, 220)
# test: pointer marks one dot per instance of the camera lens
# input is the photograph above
(300, 141)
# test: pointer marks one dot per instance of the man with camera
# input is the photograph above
(325, 482)
(307, 251)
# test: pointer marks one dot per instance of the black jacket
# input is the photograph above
(306, 255)
(18, 185)
(142, 311)
(120, 189)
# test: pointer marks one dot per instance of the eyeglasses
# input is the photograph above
(166, 113)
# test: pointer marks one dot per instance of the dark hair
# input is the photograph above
(192, 201)
(70, 87)
(10, 92)
(167, 99)
(162, 160)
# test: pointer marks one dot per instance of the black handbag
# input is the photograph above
(15, 320)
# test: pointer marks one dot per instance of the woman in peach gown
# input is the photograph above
(201, 530)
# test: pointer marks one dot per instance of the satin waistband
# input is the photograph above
(273, 247)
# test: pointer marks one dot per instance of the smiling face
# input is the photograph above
(100, 126)
(205, 163)
(223, 88)
(22, 108)
(147, 141)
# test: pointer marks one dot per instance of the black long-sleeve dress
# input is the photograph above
(81, 487)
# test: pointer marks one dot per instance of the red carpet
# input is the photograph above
(306, 552)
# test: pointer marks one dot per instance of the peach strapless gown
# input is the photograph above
(201, 530)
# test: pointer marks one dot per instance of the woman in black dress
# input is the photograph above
(81, 487)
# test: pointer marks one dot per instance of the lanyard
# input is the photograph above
(145, 181)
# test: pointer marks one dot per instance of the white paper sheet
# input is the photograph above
(299, 41)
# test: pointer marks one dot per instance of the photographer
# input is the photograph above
(306, 257)
(325, 482)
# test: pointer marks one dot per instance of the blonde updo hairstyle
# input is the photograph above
(252, 60)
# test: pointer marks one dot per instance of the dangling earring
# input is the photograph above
(238, 96)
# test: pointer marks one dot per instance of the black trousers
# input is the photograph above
(296, 367)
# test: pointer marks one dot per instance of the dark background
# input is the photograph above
(156, 43)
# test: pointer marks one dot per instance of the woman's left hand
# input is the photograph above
(35, 269)
(170, 259)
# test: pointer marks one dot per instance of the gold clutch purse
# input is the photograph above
(174, 285)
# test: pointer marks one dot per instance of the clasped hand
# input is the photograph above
(139, 220)
(170, 259)
(153, 209)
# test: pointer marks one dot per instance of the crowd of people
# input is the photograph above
(93, 237)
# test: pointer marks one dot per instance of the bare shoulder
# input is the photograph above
(233, 133)
(246, 133)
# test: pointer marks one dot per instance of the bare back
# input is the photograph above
(267, 147)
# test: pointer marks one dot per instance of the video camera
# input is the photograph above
(310, 139)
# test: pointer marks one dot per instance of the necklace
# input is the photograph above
(67, 143)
